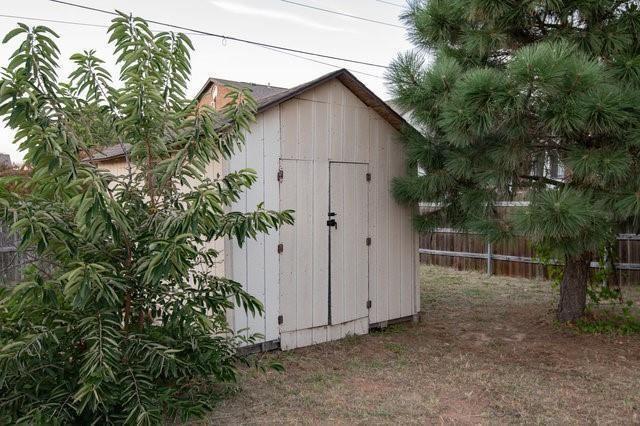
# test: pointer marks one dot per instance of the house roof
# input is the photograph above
(109, 152)
(270, 96)
(258, 91)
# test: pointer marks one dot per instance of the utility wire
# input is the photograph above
(389, 3)
(58, 21)
(84, 24)
(325, 63)
(191, 33)
(335, 12)
(225, 37)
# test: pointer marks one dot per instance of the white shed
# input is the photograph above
(327, 149)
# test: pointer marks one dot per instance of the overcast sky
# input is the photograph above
(269, 21)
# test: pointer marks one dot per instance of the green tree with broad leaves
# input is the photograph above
(122, 319)
(516, 86)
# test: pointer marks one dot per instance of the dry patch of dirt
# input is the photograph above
(485, 351)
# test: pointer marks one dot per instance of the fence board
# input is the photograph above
(11, 261)
(516, 258)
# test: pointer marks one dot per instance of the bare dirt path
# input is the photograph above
(486, 351)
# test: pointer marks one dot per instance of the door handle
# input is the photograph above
(332, 222)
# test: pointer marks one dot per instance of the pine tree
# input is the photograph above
(514, 85)
(121, 320)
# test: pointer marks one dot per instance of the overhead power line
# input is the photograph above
(59, 21)
(324, 63)
(389, 3)
(86, 24)
(226, 37)
(336, 12)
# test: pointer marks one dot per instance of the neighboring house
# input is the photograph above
(5, 160)
(327, 149)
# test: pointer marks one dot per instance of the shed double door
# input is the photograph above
(324, 268)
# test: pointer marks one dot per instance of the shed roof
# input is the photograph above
(270, 96)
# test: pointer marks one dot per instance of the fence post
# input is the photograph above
(489, 259)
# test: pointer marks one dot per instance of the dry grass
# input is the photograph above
(485, 351)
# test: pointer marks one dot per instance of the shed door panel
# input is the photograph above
(349, 254)
(304, 261)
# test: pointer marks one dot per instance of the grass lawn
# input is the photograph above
(485, 351)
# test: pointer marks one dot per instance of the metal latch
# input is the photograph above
(368, 304)
(280, 248)
(368, 241)
(368, 177)
(280, 319)
(332, 222)
(280, 175)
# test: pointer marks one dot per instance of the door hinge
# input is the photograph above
(280, 248)
(280, 319)
(368, 304)
(280, 175)
(368, 241)
(368, 177)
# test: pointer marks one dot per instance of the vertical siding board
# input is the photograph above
(288, 296)
(271, 202)
(228, 272)
(254, 250)
(362, 251)
(228, 251)
(348, 232)
(322, 94)
(320, 244)
(383, 225)
(385, 204)
(304, 242)
(289, 129)
(395, 288)
(350, 99)
(321, 146)
(321, 134)
(239, 265)
(349, 129)
(213, 172)
(309, 95)
(374, 205)
(362, 135)
(336, 204)
(336, 117)
(405, 234)
(305, 129)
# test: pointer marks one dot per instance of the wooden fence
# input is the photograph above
(516, 258)
(11, 262)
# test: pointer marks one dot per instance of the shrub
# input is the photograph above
(122, 319)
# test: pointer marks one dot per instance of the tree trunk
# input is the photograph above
(573, 288)
(612, 281)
